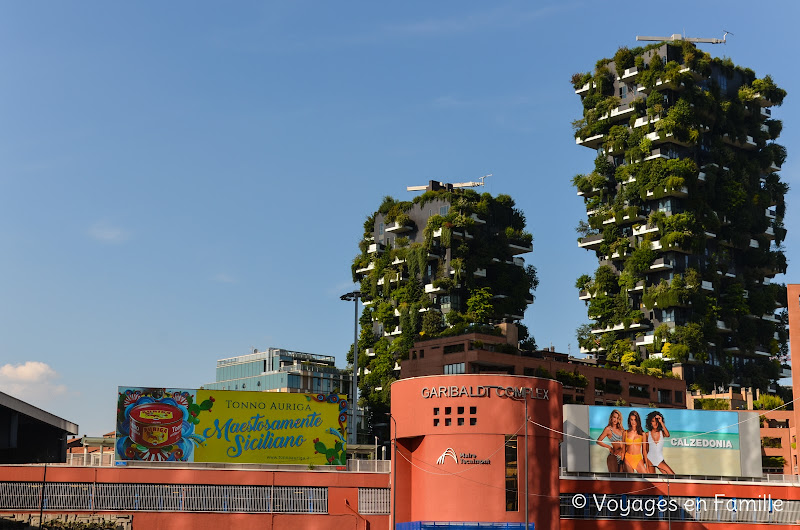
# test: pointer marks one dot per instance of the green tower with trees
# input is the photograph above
(685, 209)
(445, 263)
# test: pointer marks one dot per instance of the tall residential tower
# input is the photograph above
(685, 213)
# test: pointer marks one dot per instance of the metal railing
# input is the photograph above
(373, 501)
(768, 477)
(353, 465)
(87, 496)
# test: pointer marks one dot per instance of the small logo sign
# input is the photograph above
(448, 452)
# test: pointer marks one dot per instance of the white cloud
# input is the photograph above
(107, 233)
(31, 381)
(30, 372)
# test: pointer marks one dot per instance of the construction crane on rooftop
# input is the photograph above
(453, 185)
(677, 37)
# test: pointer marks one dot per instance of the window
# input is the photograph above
(435, 411)
(461, 421)
(455, 368)
(448, 410)
(623, 91)
(447, 422)
(443, 210)
(512, 483)
(453, 348)
(668, 315)
(435, 422)
(474, 421)
(460, 410)
(473, 410)
(380, 229)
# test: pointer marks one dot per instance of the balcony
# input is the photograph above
(629, 73)
(430, 289)
(659, 138)
(644, 229)
(770, 214)
(771, 318)
(376, 248)
(644, 120)
(638, 287)
(591, 242)
(645, 339)
(592, 142)
(480, 273)
(585, 88)
(591, 193)
(663, 84)
(773, 167)
(770, 232)
(619, 327)
(585, 295)
(626, 219)
(749, 143)
(397, 228)
(661, 264)
(366, 269)
(706, 286)
(677, 192)
(624, 113)
(477, 219)
(519, 249)
(723, 327)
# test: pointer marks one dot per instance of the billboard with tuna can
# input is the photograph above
(187, 425)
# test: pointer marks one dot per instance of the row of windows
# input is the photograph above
(456, 368)
(460, 420)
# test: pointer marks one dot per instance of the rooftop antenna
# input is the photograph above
(454, 185)
(677, 37)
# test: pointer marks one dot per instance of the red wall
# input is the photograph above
(342, 495)
(451, 491)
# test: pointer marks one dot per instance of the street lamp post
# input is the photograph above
(393, 507)
(354, 296)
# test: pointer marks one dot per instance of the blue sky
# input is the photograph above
(185, 181)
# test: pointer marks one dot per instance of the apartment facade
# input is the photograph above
(685, 210)
(583, 381)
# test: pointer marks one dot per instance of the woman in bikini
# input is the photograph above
(635, 445)
(613, 432)
(655, 442)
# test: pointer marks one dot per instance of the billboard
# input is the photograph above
(184, 425)
(661, 441)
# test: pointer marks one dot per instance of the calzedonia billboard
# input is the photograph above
(662, 441)
(187, 425)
